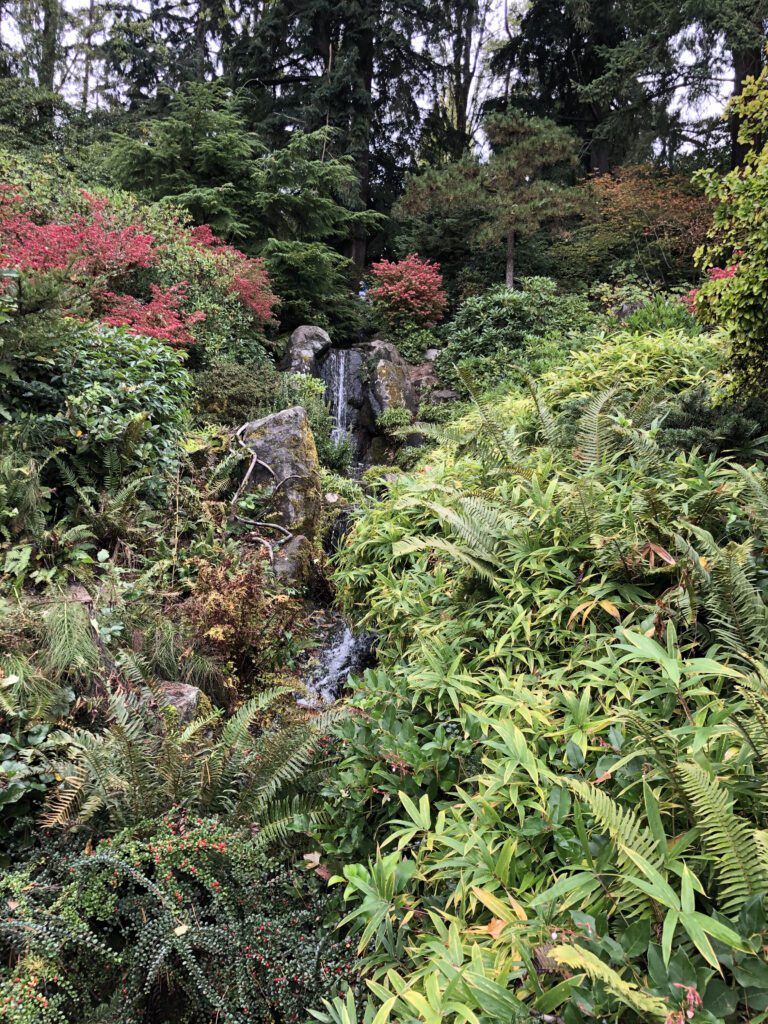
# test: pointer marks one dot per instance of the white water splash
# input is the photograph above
(345, 655)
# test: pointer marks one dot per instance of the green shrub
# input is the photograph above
(715, 423)
(413, 342)
(530, 328)
(181, 919)
(663, 313)
(96, 403)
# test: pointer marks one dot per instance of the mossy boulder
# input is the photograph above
(285, 447)
(306, 344)
(389, 382)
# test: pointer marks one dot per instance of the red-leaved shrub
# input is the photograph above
(249, 279)
(94, 256)
(714, 274)
(410, 291)
(91, 245)
(159, 318)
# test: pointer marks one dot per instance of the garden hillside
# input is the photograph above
(383, 513)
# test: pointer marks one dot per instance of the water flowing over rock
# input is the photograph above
(362, 382)
(287, 462)
(346, 654)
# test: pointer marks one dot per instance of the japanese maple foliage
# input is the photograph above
(119, 271)
(88, 245)
(410, 290)
(160, 317)
(249, 279)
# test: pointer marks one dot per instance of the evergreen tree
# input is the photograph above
(521, 187)
(354, 65)
(628, 76)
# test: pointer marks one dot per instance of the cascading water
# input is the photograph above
(337, 374)
(346, 654)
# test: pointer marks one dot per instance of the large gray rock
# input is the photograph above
(185, 699)
(389, 377)
(283, 441)
(306, 344)
(294, 561)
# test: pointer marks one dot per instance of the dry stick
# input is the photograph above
(255, 461)
(270, 526)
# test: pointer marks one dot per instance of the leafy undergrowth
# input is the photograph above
(552, 798)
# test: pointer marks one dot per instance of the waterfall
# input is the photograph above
(345, 654)
(338, 394)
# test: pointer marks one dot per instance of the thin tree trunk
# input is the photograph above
(49, 44)
(88, 56)
(510, 275)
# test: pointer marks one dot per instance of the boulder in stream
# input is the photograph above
(390, 380)
(285, 449)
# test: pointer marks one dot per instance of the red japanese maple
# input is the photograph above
(160, 317)
(88, 245)
(249, 279)
(714, 274)
(411, 290)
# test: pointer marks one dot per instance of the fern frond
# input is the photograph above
(491, 426)
(580, 959)
(592, 431)
(737, 614)
(69, 641)
(549, 424)
(410, 545)
(730, 841)
(627, 833)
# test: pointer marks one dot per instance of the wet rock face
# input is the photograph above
(306, 344)
(361, 383)
(283, 442)
(390, 381)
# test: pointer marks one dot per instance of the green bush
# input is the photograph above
(663, 313)
(94, 402)
(556, 755)
(530, 328)
(413, 342)
(181, 919)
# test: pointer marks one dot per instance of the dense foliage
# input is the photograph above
(383, 501)
(505, 332)
(558, 750)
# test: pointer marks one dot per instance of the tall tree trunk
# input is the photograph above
(510, 275)
(745, 63)
(599, 158)
(87, 56)
(49, 46)
(361, 127)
